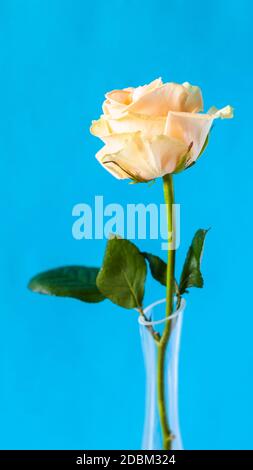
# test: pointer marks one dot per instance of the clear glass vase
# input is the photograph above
(152, 435)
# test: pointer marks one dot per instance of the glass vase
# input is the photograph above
(152, 434)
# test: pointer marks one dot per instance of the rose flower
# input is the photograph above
(153, 130)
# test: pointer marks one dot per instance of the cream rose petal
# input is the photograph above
(192, 129)
(158, 102)
(154, 99)
(113, 109)
(143, 90)
(112, 168)
(117, 101)
(129, 153)
(168, 153)
(140, 158)
(113, 143)
(194, 100)
(130, 123)
(148, 126)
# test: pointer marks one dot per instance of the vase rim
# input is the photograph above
(144, 322)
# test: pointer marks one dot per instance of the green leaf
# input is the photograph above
(122, 276)
(157, 266)
(191, 275)
(78, 282)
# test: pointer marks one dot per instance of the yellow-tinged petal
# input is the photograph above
(100, 127)
(120, 96)
(224, 113)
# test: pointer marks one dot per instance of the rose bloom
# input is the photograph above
(153, 130)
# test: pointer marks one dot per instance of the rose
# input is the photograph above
(153, 130)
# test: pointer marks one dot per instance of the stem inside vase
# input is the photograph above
(153, 436)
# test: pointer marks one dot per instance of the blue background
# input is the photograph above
(71, 374)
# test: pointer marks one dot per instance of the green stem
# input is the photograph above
(169, 201)
(162, 345)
